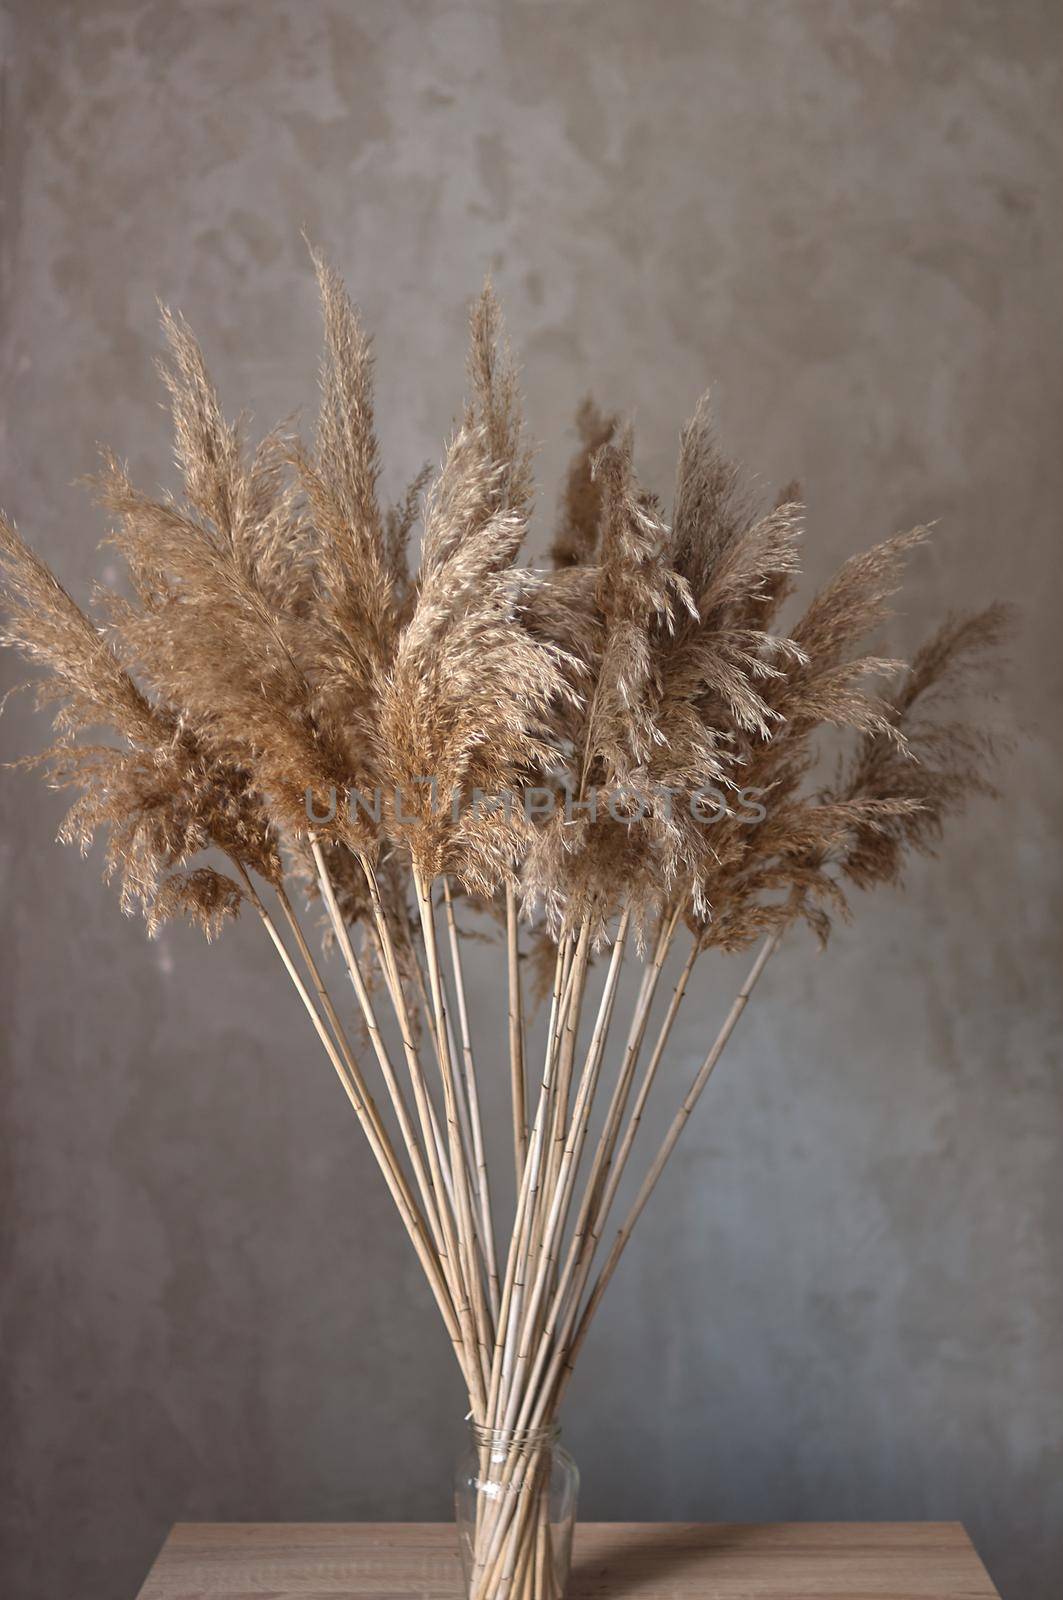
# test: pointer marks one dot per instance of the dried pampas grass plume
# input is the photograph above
(286, 710)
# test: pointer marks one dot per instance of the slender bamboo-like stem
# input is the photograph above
(473, 1098)
(446, 1235)
(581, 1256)
(569, 954)
(576, 968)
(577, 1132)
(506, 1326)
(466, 1230)
(321, 988)
(478, 1256)
(563, 1081)
(439, 1162)
(525, 1220)
(426, 1111)
(649, 1183)
(581, 1266)
(519, 1395)
(434, 1208)
(522, 1389)
(613, 1170)
(429, 1016)
(542, 1398)
(518, 1093)
(622, 1089)
(561, 1049)
(581, 1246)
(462, 1106)
(566, 1181)
(365, 1109)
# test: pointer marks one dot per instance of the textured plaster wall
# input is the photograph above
(847, 1299)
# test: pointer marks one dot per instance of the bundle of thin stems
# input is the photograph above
(353, 741)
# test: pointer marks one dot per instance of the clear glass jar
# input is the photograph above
(515, 1501)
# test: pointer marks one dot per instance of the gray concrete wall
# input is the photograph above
(846, 1301)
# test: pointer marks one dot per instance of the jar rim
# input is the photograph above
(514, 1438)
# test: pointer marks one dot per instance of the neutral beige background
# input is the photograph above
(847, 217)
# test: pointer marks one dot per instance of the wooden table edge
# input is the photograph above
(439, 1538)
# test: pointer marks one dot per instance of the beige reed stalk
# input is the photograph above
(649, 1183)
(612, 1170)
(472, 1091)
(582, 1244)
(446, 1229)
(636, 1034)
(466, 1229)
(518, 1092)
(516, 1263)
(559, 1201)
(538, 1178)
(365, 1109)
(431, 1191)
(439, 1156)
(503, 1537)
(495, 1569)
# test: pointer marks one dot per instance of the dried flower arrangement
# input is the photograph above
(276, 650)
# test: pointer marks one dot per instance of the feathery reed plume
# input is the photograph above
(464, 709)
(575, 542)
(619, 751)
(161, 799)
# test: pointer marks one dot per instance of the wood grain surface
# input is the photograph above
(419, 1561)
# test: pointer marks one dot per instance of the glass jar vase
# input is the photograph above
(515, 1502)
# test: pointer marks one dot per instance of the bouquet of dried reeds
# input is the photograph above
(611, 756)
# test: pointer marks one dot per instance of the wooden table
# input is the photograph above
(677, 1560)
